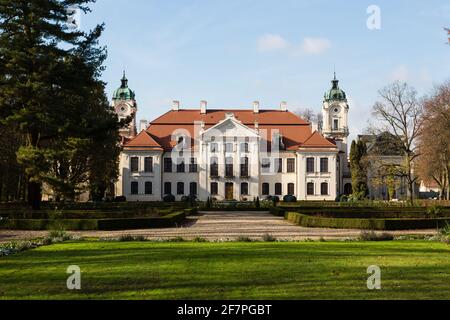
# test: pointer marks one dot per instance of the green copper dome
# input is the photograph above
(124, 93)
(335, 94)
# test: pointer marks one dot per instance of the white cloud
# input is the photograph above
(272, 42)
(309, 46)
(315, 46)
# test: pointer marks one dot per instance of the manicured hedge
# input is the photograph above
(368, 212)
(169, 220)
(86, 214)
(365, 224)
(45, 224)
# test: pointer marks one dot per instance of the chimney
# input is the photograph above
(143, 125)
(283, 106)
(203, 106)
(176, 105)
(256, 107)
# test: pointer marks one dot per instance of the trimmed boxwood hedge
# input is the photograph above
(365, 224)
(367, 212)
(166, 221)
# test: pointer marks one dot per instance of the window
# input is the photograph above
(214, 167)
(167, 164)
(310, 167)
(324, 189)
(310, 189)
(265, 165)
(214, 188)
(291, 189)
(324, 165)
(244, 167)
(280, 166)
(244, 189)
(214, 147)
(229, 170)
(180, 166)
(336, 124)
(278, 189)
(148, 188)
(229, 148)
(193, 188)
(180, 188)
(244, 147)
(291, 165)
(193, 165)
(134, 188)
(167, 188)
(134, 164)
(265, 189)
(148, 164)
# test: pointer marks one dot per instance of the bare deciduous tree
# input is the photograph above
(434, 142)
(400, 113)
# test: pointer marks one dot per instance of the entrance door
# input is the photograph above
(229, 191)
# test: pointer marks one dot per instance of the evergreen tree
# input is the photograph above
(51, 90)
(358, 168)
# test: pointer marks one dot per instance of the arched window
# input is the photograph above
(214, 167)
(244, 189)
(193, 188)
(148, 188)
(167, 188)
(180, 188)
(324, 189)
(310, 189)
(134, 188)
(278, 189)
(244, 167)
(214, 188)
(291, 189)
(265, 189)
(229, 170)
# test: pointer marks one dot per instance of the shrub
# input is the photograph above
(199, 240)
(59, 234)
(169, 198)
(257, 203)
(277, 211)
(130, 238)
(244, 239)
(435, 211)
(289, 199)
(120, 199)
(269, 238)
(373, 236)
(275, 199)
(176, 239)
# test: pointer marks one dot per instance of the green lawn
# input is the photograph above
(145, 270)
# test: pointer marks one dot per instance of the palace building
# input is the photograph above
(234, 154)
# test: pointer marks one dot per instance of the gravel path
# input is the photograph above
(221, 226)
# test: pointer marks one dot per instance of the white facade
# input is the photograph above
(229, 143)
(230, 161)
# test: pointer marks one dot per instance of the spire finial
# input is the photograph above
(124, 80)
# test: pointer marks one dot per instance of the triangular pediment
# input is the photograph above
(230, 127)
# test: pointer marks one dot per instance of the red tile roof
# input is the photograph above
(143, 140)
(316, 140)
(296, 132)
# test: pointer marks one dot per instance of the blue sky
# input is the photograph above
(234, 52)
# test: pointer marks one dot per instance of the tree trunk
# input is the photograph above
(34, 195)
